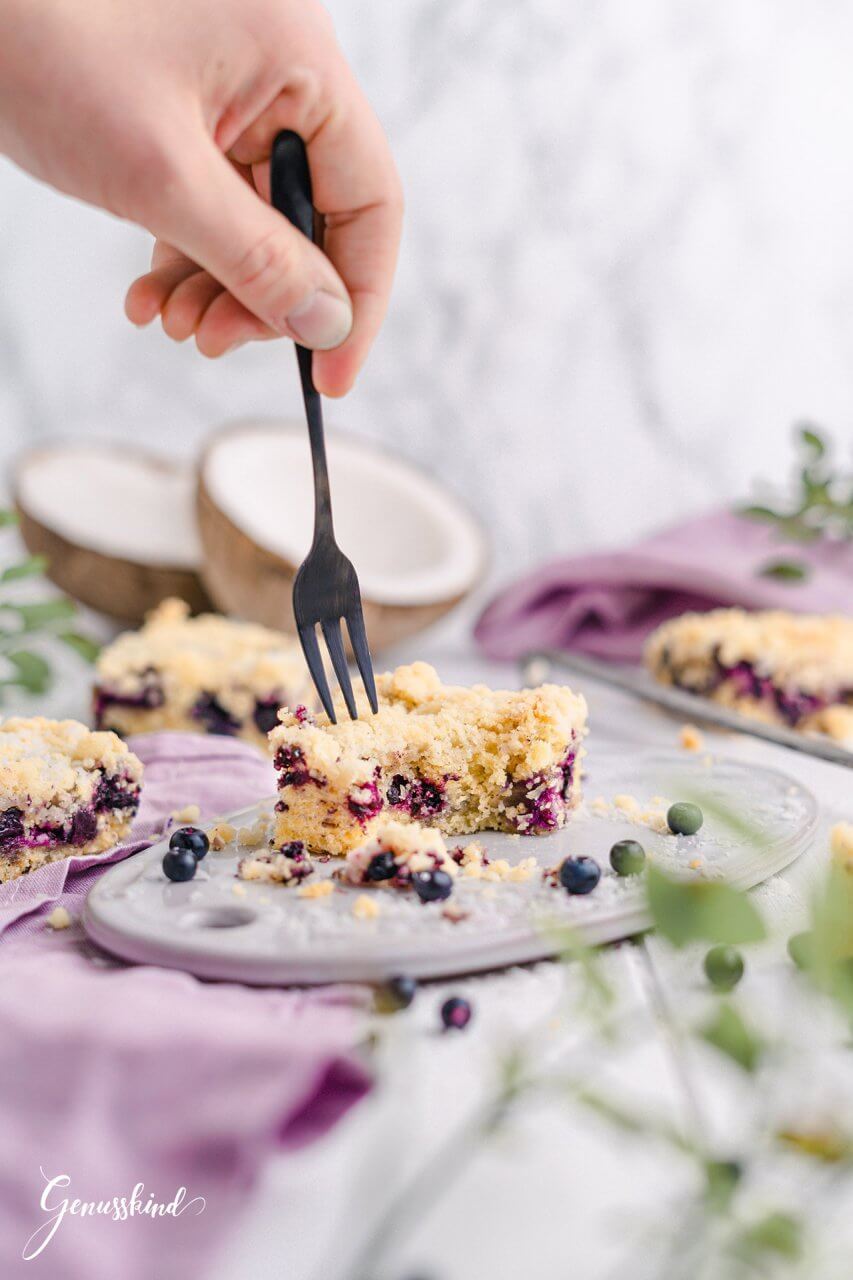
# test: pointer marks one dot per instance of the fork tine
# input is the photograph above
(332, 632)
(358, 639)
(311, 649)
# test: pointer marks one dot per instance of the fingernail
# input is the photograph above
(321, 321)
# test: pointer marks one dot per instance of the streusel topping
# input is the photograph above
(44, 760)
(518, 731)
(809, 651)
(205, 652)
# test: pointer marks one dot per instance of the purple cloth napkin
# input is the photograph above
(113, 1076)
(606, 604)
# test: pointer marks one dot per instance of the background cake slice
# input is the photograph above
(205, 675)
(458, 759)
(783, 668)
(63, 790)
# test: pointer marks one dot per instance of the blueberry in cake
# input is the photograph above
(63, 790)
(459, 759)
(789, 669)
(205, 675)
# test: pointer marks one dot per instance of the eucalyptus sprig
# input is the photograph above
(818, 505)
(28, 627)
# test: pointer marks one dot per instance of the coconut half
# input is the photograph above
(116, 524)
(416, 548)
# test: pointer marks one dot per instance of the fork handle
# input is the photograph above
(290, 194)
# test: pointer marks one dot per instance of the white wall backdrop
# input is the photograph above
(628, 265)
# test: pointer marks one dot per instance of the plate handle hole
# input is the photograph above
(219, 918)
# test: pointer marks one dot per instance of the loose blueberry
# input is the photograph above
(396, 993)
(723, 967)
(684, 818)
(456, 1013)
(801, 949)
(180, 864)
(381, 867)
(432, 886)
(627, 857)
(579, 875)
(190, 839)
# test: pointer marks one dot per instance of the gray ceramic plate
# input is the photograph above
(218, 927)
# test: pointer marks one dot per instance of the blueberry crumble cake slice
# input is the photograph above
(206, 675)
(790, 669)
(459, 759)
(64, 790)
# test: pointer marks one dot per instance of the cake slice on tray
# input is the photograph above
(64, 790)
(205, 675)
(457, 759)
(783, 668)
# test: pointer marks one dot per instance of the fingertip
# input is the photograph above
(140, 304)
(333, 376)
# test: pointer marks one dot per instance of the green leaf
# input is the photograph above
(87, 649)
(756, 512)
(777, 1233)
(7, 517)
(785, 570)
(728, 1032)
(827, 1146)
(722, 1178)
(28, 568)
(813, 441)
(701, 911)
(35, 616)
(33, 673)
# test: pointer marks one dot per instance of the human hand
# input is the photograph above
(165, 114)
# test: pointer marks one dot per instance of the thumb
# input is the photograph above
(221, 222)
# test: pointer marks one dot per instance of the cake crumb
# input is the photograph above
(189, 813)
(690, 738)
(59, 918)
(625, 804)
(238, 890)
(254, 836)
(453, 912)
(841, 845)
(364, 907)
(318, 889)
(221, 834)
(694, 864)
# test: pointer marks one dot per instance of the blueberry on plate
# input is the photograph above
(801, 949)
(190, 839)
(456, 1013)
(684, 818)
(579, 875)
(381, 867)
(627, 857)
(180, 864)
(397, 993)
(723, 967)
(432, 886)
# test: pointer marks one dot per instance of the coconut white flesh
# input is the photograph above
(118, 502)
(411, 542)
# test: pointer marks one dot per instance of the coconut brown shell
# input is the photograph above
(252, 582)
(120, 588)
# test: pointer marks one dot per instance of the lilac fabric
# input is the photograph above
(114, 1075)
(606, 604)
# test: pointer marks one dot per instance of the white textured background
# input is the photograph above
(628, 264)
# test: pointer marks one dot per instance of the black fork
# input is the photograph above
(326, 589)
